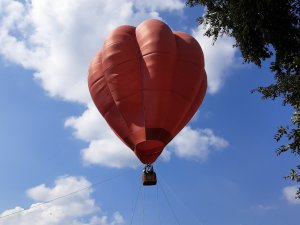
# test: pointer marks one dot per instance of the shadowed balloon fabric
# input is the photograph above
(148, 82)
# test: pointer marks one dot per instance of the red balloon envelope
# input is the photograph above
(148, 82)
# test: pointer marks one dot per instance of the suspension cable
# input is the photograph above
(182, 203)
(143, 206)
(157, 207)
(169, 204)
(134, 208)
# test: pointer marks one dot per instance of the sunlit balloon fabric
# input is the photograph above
(147, 82)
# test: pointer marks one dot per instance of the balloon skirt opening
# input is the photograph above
(148, 151)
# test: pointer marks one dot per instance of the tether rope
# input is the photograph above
(64, 196)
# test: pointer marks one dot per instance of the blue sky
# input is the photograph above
(221, 169)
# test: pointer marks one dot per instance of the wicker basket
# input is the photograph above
(149, 179)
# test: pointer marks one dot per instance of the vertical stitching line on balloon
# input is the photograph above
(176, 64)
(142, 92)
(121, 115)
(170, 89)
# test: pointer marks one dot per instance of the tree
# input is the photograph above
(265, 29)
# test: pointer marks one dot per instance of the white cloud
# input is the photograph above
(110, 153)
(90, 125)
(104, 147)
(196, 144)
(57, 39)
(78, 209)
(107, 150)
(289, 193)
(219, 58)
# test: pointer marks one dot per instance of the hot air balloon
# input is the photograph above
(147, 82)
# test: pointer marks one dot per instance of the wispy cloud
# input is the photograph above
(263, 208)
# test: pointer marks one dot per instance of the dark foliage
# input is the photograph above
(265, 29)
